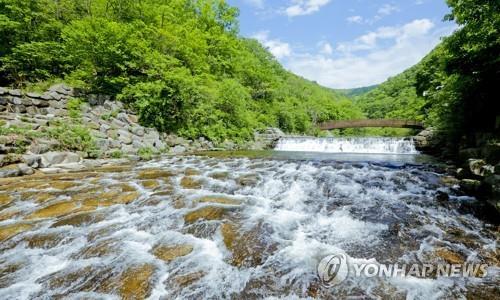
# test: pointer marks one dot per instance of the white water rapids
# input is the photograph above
(372, 145)
(274, 221)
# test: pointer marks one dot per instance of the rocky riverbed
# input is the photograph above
(233, 227)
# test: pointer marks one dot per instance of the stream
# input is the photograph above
(244, 225)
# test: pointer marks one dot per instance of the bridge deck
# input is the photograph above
(371, 123)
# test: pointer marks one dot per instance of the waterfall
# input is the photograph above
(374, 145)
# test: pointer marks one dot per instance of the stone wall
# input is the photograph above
(110, 123)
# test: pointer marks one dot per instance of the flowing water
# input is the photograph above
(232, 226)
(372, 145)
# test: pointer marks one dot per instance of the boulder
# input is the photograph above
(124, 137)
(33, 161)
(138, 130)
(41, 146)
(3, 91)
(24, 169)
(178, 149)
(58, 158)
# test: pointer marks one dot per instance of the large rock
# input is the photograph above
(58, 158)
(124, 137)
(138, 130)
(266, 139)
(33, 161)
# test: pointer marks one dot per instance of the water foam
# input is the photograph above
(371, 145)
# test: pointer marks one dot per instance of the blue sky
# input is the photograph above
(345, 43)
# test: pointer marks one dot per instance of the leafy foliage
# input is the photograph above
(179, 63)
(454, 88)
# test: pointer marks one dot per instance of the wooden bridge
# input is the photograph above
(371, 123)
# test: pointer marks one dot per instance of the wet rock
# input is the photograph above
(470, 186)
(192, 172)
(108, 199)
(441, 197)
(449, 256)
(169, 253)
(248, 180)
(219, 200)
(44, 241)
(54, 210)
(205, 213)
(219, 175)
(5, 199)
(136, 282)
(9, 231)
(188, 279)
(150, 184)
(190, 183)
(124, 187)
(80, 219)
(449, 181)
(154, 174)
(62, 185)
(250, 248)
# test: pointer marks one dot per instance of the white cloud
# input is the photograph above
(325, 48)
(370, 58)
(355, 19)
(304, 7)
(387, 9)
(279, 49)
(369, 41)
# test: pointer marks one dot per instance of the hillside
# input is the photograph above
(180, 65)
(395, 98)
(357, 91)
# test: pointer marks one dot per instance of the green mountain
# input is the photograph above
(180, 64)
(356, 91)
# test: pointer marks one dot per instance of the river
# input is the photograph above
(246, 225)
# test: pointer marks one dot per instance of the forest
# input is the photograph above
(454, 88)
(182, 65)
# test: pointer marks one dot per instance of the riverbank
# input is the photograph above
(63, 128)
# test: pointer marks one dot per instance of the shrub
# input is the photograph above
(73, 137)
(116, 154)
(146, 153)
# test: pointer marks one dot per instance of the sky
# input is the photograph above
(345, 43)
